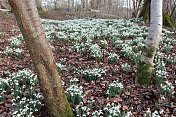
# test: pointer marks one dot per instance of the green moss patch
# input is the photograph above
(149, 52)
(167, 20)
(144, 73)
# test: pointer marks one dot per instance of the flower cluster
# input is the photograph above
(26, 100)
(167, 89)
(113, 58)
(114, 110)
(92, 74)
(114, 88)
(74, 94)
(96, 51)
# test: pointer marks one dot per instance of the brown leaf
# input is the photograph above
(1, 111)
(9, 96)
(124, 108)
(9, 100)
(116, 99)
(1, 103)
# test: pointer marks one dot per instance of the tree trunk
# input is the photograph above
(145, 12)
(39, 4)
(167, 20)
(94, 4)
(42, 57)
(166, 6)
(55, 4)
(86, 5)
(137, 5)
(167, 11)
(145, 66)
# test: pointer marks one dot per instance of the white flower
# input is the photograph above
(129, 114)
(161, 111)
(148, 112)
(155, 114)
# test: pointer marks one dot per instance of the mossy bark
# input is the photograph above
(144, 68)
(149, 52)
(144, 73)
(145, 12)
(168, 21)
(39, 5)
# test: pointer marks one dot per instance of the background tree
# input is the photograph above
(55, 4)
(145, 10)
(137, 5)
(4, 4)
(39, 4)
(42, 57)
(168, 20)
(168, 7)
(145, 66)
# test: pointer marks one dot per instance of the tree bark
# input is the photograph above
(145, 66)
(137, 5)
(167, 11)
(42, 57)
(145, 12)
(166, 6)
(39, 4)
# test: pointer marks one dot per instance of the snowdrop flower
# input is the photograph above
(161, 111)
(155, 114)
(148, 112)
(129, 114)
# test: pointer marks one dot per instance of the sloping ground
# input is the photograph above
(8, 27)
(57, 15)
(7, 23)
(72, 63)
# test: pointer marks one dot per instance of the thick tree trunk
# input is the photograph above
(41, 54)
(145, 66)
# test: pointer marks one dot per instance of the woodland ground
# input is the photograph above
(138, 97)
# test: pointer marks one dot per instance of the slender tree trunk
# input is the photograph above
(145, 66)
(39, 4)
(167, 11)
(55, 4)
(86, 5)
(42, 56)
(166, 6)
(173, 10)
(145, 12)
(140, 6)
(69, 4)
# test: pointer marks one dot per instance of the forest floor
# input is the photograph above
(9, 27)
(140, 98)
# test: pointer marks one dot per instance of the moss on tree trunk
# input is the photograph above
(144, 73)
(145, 66)
(145, 12)
(144, 69)
(167, 20)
